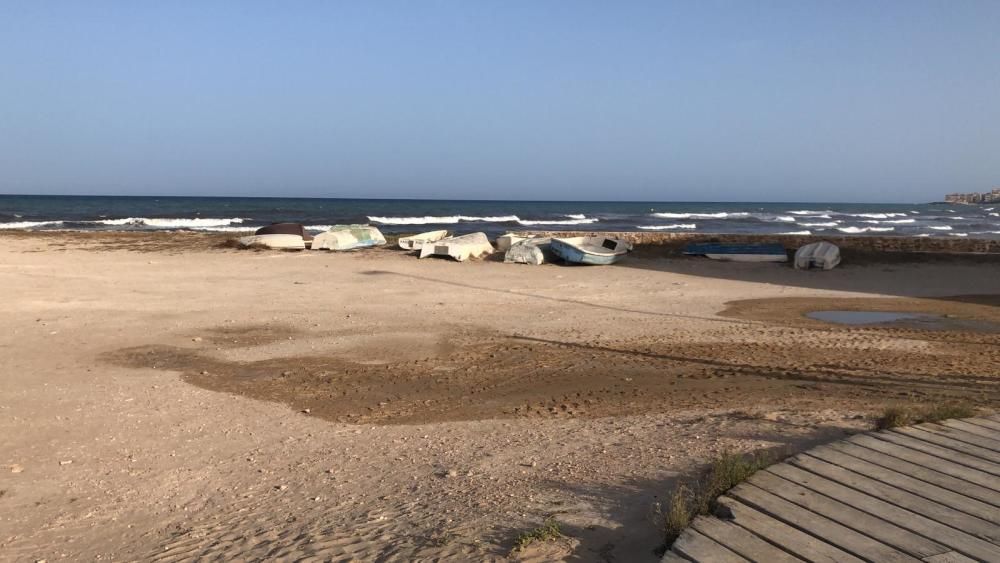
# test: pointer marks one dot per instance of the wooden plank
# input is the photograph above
(943, 453)
(936, 463)
(671, 557)
(984, 422)
(817, 525)
(950, 557)
(971, 429)
(888, 516)
(918, 471)
(950, 443)
(791, 539)
(778, 480)
(940, 513)
(740, 541)
(696, 547)
(961, 436)
(954, 501)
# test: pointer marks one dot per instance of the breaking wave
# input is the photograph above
(799, 233)
(830, 224)
(895, 221)
(668, 227)
(574, 220)
(170, 223)
(785, 219)
(722, 215)
(810, 212)
(224, 229)
(29, 224)
(943, 228)
(877, 215)
(445, 220)
(856, 230)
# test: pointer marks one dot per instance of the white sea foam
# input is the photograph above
(830, 224)
(995, 214)
(722, 215)
(668, 227)
(855, 230)
(800, 233)
(923, 235)
(785, 219)
(811, 212)
(580, 221)
(576, 216)
(29, 224)
(223, 229)
(170, 223)
(941, 228)
(896, 221)
(959, 234)
(445, 220)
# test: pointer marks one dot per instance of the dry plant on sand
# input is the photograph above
(698, 496)
(549, 530)
(894, 417)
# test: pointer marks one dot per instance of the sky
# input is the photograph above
(797, 100)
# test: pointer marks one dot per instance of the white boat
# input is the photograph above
(348, 237)
(535, 251)
(461, 248)
(417, 242)
(276, 241)
(756, 252)
(822, 254)
(505, 242)
(594, 250)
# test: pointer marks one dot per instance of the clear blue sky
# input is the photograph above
(796, 100)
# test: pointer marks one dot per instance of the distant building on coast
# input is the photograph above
(975, 197)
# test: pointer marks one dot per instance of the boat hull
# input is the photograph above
(576, 255)
(417, 242)
(276, 241)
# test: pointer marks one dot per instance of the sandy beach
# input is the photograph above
(166, 398)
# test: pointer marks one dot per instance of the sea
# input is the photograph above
(398, 216)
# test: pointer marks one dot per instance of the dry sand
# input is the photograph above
(164, 399)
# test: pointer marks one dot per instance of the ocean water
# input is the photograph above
(234, 214)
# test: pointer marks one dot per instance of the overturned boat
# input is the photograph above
(821, 254)
(461, 248)
(417, 242)
(348, 237)
(281, 236)
(535, 251)
(595, 250)
(765, 252)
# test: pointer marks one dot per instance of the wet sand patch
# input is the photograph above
(502, 376)
(974, 317)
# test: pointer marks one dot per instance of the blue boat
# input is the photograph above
(765, 252)
(595, 250)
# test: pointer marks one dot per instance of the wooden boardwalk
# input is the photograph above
(929, 492)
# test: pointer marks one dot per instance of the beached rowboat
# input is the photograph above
(595, 250)
(276, 241)
(739, 252)
(460, 248)
(821, 254)
(348, 237)
(417, 242)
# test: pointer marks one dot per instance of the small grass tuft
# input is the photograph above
(548, 531)
(894, 417)
(698, 497)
